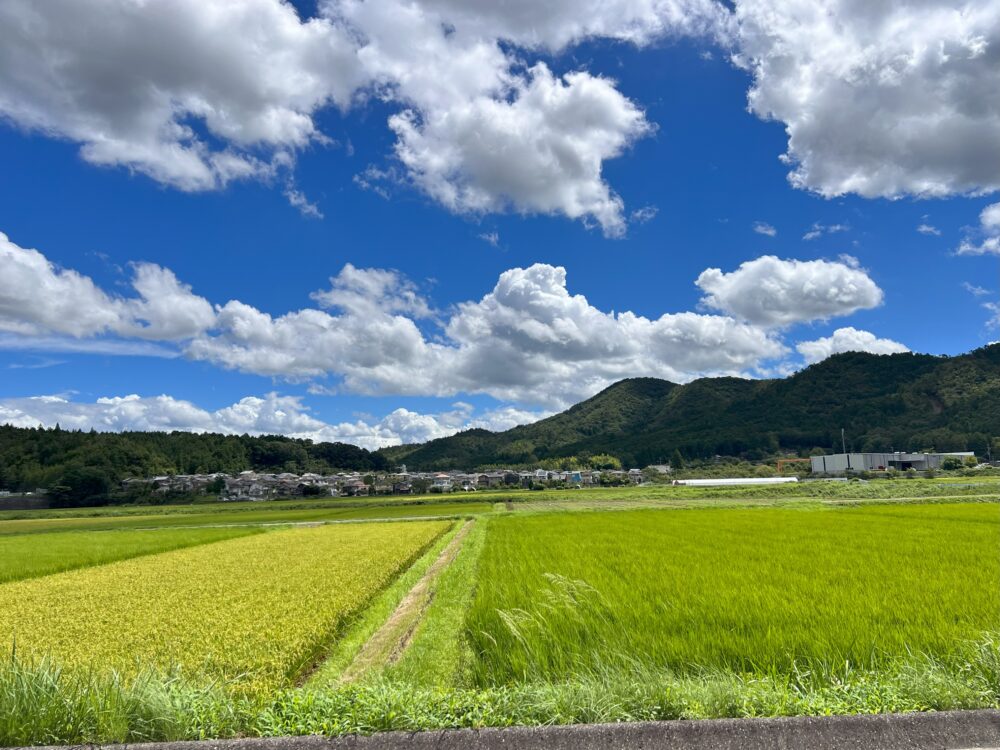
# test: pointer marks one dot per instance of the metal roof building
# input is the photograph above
(842, 463)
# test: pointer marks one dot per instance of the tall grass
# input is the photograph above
(760, 592)
(39, 704)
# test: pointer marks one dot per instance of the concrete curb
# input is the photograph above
(946, 730)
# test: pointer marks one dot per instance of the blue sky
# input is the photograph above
(697, 171)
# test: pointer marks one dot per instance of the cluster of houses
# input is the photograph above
(250, 485)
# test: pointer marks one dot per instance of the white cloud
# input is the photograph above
(538, 150)
(272, 414)
(644, 214)
(527, 341)
(762, 227)
(70, 345)
(847, 340)
(204, 92)
(135, 83)
(818, 230)
(490, 238)
(770, 291)
(38, 299)
(299, 200)
(554, 25)
(879, 99)
(994, 309)
(929, 229)
(974, 290)
(986, 240)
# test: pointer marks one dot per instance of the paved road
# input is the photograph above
(948, 730)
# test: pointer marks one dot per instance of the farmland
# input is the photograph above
(24, 557)
(742, 590)
(254, 611)
(498, 608)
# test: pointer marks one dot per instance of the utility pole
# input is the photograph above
(843, 440)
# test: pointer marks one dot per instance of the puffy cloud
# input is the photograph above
(554, 25)
(774, 292)
(847, 340)
(166, 308)
(270, 414)
(367, 291)
(540, 150)
(204, 92)
(37, 299)
(529, 340)
(986, 240)
(127, 81)
(879, 99)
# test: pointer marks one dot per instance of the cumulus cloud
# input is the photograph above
(38, 298)
(205, 92)
(528, 340)
(128, 81)
(272, 414)
(554, 25)
(770, 291)
(986, 239)
(539, 150)
(847, 340)
(879, 99)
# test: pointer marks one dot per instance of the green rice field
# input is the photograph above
(27, 557)
(741, 590)
(182, 622)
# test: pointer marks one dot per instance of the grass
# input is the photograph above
(439, 656)
(252, 611)
(27, 557)
(814, 605)
(272, 514)
(40, 704)
(877, 489)
(749, 591)
(357, 632)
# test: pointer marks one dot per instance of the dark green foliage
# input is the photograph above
(901, 401)
(83, 468)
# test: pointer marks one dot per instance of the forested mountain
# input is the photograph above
(900, 401)
(31, 458)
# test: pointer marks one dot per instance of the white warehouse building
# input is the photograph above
(842, 463)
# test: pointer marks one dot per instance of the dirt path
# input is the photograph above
(389, 642)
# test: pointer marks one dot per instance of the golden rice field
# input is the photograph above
(254, 610)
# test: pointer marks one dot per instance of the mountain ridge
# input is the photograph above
(898, 401)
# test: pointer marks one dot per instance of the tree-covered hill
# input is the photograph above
(31, 458)
(900, 401)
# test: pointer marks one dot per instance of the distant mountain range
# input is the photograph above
(883, 402)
